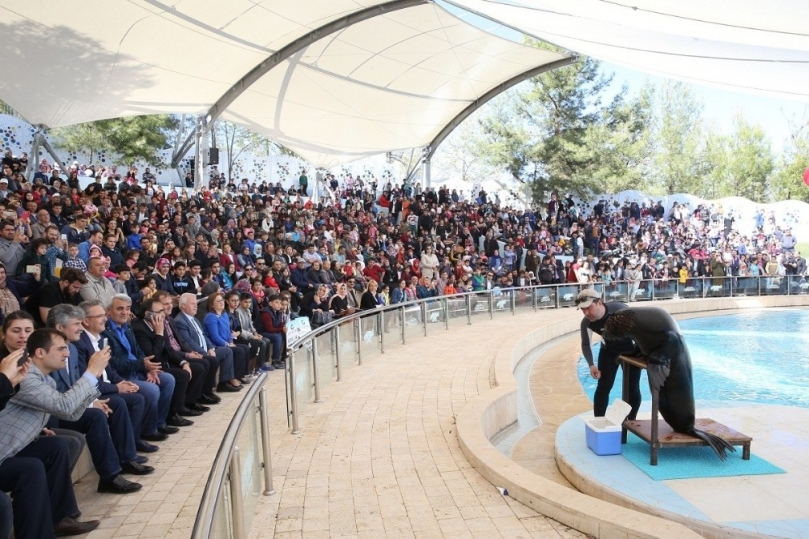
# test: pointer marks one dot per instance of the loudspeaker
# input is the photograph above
(212, 156)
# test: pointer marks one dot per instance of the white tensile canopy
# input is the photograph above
(742, 45)
(377, 76)
(336, 80)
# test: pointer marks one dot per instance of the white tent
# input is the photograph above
(334, 80)
(742, 45)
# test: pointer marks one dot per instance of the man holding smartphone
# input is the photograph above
(11, 249)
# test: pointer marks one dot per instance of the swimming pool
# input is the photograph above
(760, 356)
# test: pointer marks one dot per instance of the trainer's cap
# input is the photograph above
(586, 297)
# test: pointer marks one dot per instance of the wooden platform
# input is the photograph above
(658, 433)
(666, 437)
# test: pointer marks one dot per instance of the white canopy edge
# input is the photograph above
(741, 45)
(386, 83)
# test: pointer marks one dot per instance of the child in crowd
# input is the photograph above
(123, 274)
(73, 260)
(275, 329)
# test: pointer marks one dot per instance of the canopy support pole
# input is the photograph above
(32, 166)
(48, 148)
(488, 96)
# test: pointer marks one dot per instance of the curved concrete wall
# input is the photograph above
(496, 410)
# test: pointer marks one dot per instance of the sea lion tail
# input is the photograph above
(720, 445)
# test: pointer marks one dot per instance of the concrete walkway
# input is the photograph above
(379, 457)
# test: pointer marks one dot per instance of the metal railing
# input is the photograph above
(234, 484)
(323, 355)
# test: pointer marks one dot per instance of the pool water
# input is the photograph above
(761, 356)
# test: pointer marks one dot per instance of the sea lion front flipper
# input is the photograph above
(657, 373)
(719, 445)
(659, 361)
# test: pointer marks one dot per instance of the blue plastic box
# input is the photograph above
(603, 434)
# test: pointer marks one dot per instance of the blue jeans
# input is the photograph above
(158, 398)
(277, 341)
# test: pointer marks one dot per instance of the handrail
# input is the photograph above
(646, 290)
(203, 525)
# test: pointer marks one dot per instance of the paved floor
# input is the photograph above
(378, 458)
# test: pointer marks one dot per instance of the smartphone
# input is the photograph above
(64, 237)
(23, 359)
(25, 215)
(31, 269)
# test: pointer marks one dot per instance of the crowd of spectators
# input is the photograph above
(137, 304)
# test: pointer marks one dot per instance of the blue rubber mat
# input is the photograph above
(692, 462)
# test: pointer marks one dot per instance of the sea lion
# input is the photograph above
(659, 341)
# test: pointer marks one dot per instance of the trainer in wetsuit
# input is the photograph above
(596, 313)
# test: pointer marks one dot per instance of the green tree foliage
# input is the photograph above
(787, 181)
(739, 164)
(749, 161)
(555, 134)
(679, 162)
(125, 139)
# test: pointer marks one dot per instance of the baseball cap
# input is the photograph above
(586, 297)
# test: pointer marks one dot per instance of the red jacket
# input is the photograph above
(375, 272)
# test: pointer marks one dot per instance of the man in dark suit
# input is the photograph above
(132, 364)
(111, 384)
(149, 331)
(190, 332)
(178, 352)
(111, 441)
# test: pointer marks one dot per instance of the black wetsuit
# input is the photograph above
(607, 356)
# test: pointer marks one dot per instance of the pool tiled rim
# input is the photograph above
(496, 409)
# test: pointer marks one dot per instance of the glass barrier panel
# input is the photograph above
(412, 322)
(251, 456)
(773, 286)
(798, 284)
(746, 286)
(546, 297)
(692, 288)
(393, 333)
(223, 514)
(644, 291)
(326, 360)
(501, 301)
(456, 308)
(304, 381)
(435, 313)
(664, 288)
(716, 287)
(618, 291)
(369, 333)
(522, 300)
(567, 294)
(480, 305)
(348, 345)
